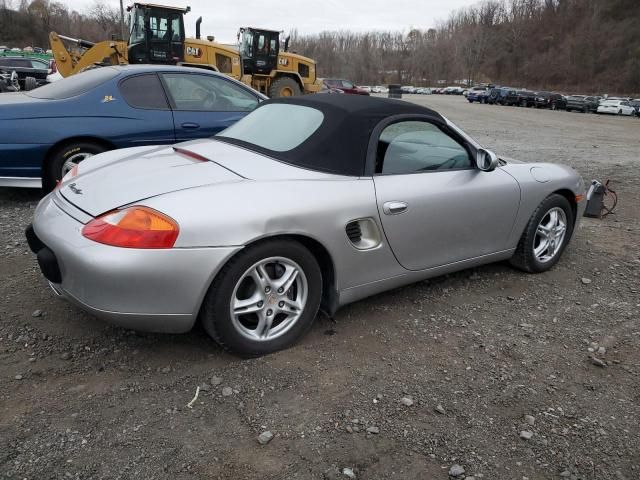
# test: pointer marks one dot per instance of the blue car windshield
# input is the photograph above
(74, 85)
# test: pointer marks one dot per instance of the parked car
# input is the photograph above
(526, 98)
(453, 91)
(475, 89)
(582, 103)
(498, 95)
(46, 132)
(510, 98)
(478, 95)
(154, 238)
(635, 103)
(366, 88)
(553, 101)
(326, 89)
(345, 85)
(32, 72)
(616, 107)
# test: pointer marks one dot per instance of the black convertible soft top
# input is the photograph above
(340, 143)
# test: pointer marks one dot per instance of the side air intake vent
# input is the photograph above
(354, 232)
(364, 233)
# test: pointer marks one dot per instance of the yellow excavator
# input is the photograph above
(157, 36)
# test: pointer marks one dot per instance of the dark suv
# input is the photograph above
(526, 98)
(510, 98)
(31, 72)
(499, 95)
(551, 100)
(582, 103)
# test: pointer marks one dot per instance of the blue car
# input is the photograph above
(45, 132)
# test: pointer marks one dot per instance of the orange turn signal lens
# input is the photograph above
(133, 227)
(579, 198)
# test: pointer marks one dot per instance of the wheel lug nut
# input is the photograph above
(260, 304)
(280, 290)
(267, 289)
(281, 304)
(269, 312)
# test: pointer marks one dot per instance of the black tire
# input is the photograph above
(215, 314)
(524, 258)
(52, 171)
(284, 87)
(30, 83)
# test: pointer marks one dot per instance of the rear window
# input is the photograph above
(74, 85)
(295, 125)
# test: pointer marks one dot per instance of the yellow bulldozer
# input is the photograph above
(157, 36)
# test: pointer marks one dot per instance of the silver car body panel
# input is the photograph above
(158, 290)
(239, 197)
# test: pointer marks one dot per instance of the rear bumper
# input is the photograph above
(152, 290)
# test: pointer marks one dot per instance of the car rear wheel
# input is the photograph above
(546, 235)
(264, 299)
(64, 159)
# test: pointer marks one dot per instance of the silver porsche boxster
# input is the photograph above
(307, 203)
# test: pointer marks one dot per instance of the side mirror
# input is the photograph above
(487, 161)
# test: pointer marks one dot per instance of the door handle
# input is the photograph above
(190, 125)
(394, 208)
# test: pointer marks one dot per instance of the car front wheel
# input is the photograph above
(264, 299)
(546, 235)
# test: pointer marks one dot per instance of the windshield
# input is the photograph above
(295, 125)
(74, 85)
(161, 25)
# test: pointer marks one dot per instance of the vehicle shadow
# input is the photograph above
(19, 196)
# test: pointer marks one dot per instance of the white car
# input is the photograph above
(366, 88)
(616, 107)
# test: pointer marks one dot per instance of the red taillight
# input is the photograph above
(53, 66)
(133, 227)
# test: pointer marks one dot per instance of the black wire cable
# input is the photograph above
(608, 192)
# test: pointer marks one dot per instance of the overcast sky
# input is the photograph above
(223, 17)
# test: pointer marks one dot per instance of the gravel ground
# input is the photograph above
(488, 373)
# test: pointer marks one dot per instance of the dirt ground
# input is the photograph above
(483, 355)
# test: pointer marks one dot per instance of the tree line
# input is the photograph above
(24, 23)
(590, 46)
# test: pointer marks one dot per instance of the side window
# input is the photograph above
(414, 146)
(144, 91)
(347, 84)
(193, 92)
(223, 62)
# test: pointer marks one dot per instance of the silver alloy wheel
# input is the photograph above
(73, 161)
(550, 235)
(269, 298)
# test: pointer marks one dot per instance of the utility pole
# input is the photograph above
(122, 33)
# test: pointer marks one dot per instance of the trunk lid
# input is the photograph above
(123, 177)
